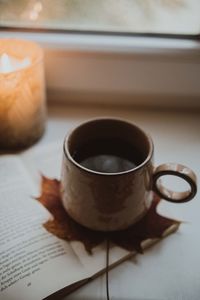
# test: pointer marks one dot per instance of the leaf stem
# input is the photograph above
(107, 268)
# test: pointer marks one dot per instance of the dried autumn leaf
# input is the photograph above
(152, 225)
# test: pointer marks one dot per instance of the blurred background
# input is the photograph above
(133, 16)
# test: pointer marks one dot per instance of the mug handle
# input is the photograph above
(176, 170)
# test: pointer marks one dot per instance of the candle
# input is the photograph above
(22, 93)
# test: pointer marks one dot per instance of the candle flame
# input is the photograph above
(9, 64)
(6, 66)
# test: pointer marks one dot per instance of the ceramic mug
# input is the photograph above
(117, 198)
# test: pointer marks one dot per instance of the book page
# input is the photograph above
(33, 263)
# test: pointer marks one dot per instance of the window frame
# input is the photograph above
(118, 68)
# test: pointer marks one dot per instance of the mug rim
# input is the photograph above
(93, 172)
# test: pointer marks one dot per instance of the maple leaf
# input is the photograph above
(152, 225)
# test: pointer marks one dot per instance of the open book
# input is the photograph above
(34, 264)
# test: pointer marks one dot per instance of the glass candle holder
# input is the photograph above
(22, 94)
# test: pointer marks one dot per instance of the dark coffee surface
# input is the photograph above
(107, 163)
(108, 155)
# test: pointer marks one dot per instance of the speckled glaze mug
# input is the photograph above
(109, 201)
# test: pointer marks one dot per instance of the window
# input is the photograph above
(130, 16)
